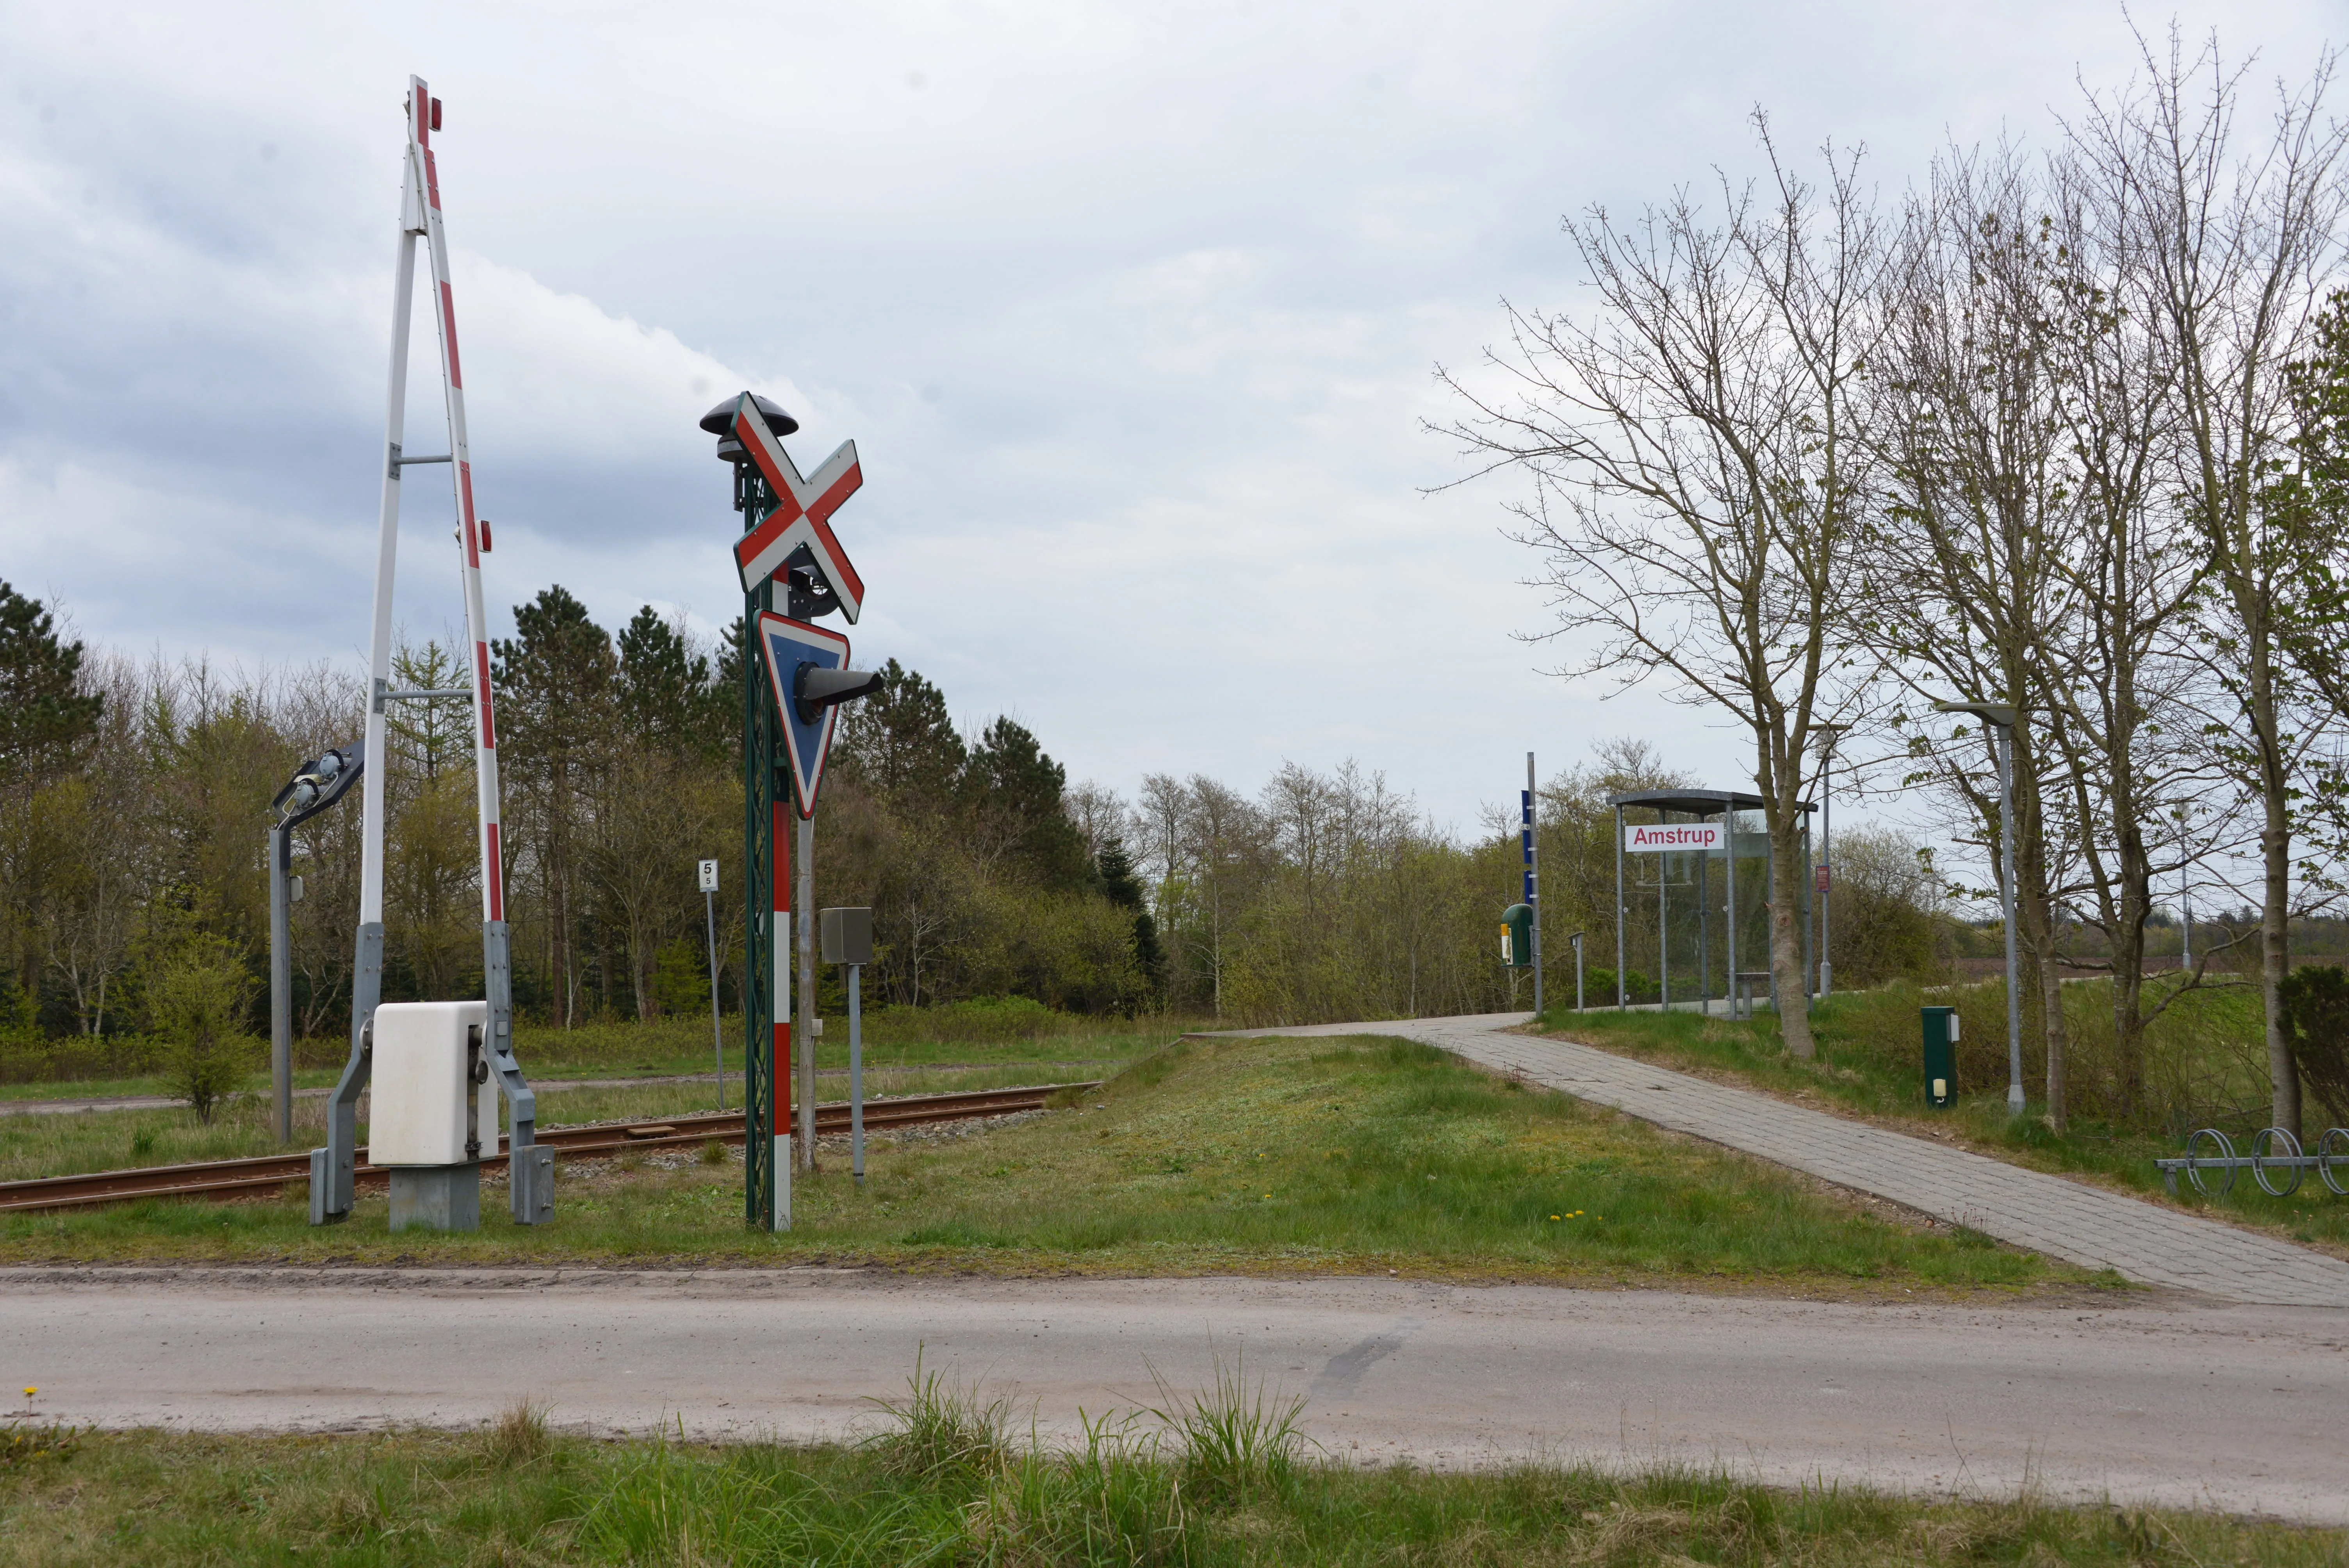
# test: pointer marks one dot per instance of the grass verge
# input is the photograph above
(1317, 1155)
(1869, 1050)
(946, 1480)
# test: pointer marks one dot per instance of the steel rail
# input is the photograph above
(269, 1174)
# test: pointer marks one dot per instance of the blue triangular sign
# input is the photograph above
(789, 644)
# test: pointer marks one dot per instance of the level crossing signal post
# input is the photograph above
(793, 572)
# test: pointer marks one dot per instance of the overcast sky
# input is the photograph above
(1132, 311)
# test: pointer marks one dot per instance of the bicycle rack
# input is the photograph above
(2274, 1152)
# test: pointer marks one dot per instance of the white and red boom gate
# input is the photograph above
(532, 1185)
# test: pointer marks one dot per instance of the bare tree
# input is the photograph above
(1963, 556)
(2242, 234)
(1699, 459)
(1100, 814)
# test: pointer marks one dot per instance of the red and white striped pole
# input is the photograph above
(530, 1178)
(485, 742)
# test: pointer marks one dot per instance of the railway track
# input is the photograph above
(270, 1174)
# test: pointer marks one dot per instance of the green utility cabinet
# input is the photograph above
(1940, 1054)
(1518, 937)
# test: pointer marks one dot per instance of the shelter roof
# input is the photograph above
(1695, 801)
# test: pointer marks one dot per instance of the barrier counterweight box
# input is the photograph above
(422, 1118)
(1940, 1054)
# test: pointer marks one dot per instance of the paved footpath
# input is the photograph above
(2065, 1219)
(2191, 1405)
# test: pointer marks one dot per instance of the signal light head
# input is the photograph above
(815, 689)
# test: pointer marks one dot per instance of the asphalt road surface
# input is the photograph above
(2173, 1400)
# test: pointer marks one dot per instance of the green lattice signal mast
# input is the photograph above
(793, 571)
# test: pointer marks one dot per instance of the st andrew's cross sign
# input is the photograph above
(802, 519)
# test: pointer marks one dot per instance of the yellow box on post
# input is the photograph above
(1941, 1055)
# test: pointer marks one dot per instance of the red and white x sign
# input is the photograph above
(803, 513)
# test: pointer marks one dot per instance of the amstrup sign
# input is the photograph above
(1656, 838)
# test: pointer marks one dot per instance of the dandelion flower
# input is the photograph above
(1553, 1216)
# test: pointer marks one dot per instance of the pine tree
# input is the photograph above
(901, 744)
(1123, 888)
(556, 680)
(1013, 792)
(664, 685)
(43, 715)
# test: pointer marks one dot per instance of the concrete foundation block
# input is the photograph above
(436, 1197)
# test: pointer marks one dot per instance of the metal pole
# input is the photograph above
(1577, 971)
(1664, 951)
(1826, 863)
(806, 913)
(2186, 909)
(1810, 982)
(1770, 911)
(1621, 909)
(1704, 930)
(716, 1037)
(333, 1175)
(281, 982)
(855, 1073)
(2006, 906)
(1729, 859)
(1533, 880)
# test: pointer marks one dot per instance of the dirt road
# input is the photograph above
(2179, 1401)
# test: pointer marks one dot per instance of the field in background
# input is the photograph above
(927, 1046)
(906, 1052)
(2201, 1070)
(1293, 1155)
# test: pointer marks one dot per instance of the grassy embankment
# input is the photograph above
(2205, 1053)
(1218, 1478)
(1243, 1156)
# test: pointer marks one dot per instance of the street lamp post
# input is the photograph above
(317, 785)
(2000, 717)
(1830, 734)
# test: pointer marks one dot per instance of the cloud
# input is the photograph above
(1130, 309)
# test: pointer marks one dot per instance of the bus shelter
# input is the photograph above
(1683, 849)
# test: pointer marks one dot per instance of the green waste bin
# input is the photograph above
(1518, 937)
(1940, 1054)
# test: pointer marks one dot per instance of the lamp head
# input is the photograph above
(2003, 713)
(318, 783)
